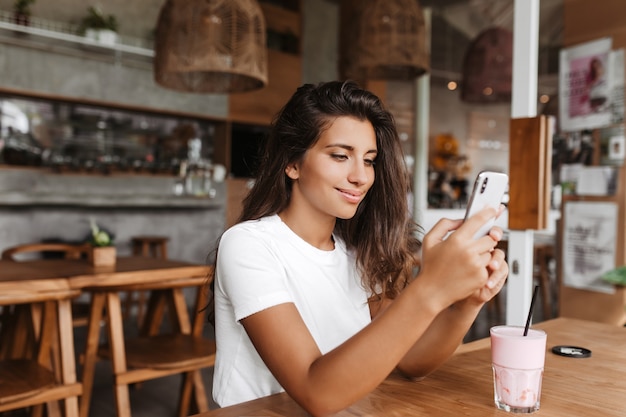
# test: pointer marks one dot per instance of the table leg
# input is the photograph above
(154, 313)
(178, 308)
(66, 347)
(91, 350)
(45, 318)
(118, 353)
(23, 337)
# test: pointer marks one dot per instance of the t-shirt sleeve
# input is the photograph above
(249, 272)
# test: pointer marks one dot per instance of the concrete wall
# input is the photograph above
(36, 206)
(192, 232)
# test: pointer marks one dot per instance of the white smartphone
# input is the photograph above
(489, 189)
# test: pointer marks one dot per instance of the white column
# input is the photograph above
(525, 58)
(523, 104)
(422, 114)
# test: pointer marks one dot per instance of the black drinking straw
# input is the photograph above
(530, 310)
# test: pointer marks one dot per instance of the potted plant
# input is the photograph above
(21, 11)
(99, 27)
(102, 252)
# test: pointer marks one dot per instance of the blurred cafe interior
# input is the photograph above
(113, 117)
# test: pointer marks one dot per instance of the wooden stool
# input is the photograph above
(156, 247)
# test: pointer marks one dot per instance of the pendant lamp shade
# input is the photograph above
(383, 39)
(211, 46)
(488, 67)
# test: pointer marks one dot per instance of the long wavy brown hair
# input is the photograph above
(381, 233)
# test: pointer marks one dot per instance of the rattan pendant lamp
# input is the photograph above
(383, 39)
(211, 46)
(488, 67)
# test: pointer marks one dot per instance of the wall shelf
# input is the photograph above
(52, 35)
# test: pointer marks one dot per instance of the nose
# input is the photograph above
(359, 173)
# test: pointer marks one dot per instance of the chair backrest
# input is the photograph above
(68, 251)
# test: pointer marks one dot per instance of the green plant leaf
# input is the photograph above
(616, 276)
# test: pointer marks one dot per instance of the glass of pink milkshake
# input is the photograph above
(517, 362)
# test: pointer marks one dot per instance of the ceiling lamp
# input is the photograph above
(382, 39)
(211, 46)
(488, 67)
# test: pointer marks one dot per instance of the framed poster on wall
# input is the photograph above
(589, 244)
(585, 85)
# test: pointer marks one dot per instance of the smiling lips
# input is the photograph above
(352, 196)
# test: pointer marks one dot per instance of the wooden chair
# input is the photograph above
(32, 377)
(80, 309)
(182, 350)
(68, 251)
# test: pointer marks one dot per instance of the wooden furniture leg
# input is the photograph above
(153, 246)
(154, 313)
(49, 350)
(91, 350)
(118, 353)
(193, 385)
(68, 357)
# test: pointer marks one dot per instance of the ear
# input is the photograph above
(292, 171)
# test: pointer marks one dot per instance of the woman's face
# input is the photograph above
(335, 174)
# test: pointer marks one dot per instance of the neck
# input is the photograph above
(317, 233)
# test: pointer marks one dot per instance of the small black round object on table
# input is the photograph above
(571, 351)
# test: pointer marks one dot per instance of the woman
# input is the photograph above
(315, 287)
(597, 88)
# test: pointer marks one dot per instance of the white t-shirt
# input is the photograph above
(263, 263)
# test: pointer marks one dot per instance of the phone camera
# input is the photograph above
(484, 185)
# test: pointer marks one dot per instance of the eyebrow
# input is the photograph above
(348, 147)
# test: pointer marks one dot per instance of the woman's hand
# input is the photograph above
(498, 272)
(455, 266)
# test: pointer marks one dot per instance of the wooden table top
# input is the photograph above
(78, 274)
(573, 387)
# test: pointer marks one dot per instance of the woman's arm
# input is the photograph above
(446, 332)
(324, 384)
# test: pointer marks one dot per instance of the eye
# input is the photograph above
(370, 162)
(339, 156)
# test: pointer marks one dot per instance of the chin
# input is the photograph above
(346, 215)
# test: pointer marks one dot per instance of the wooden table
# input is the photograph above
(129, 273)
(594, 386)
